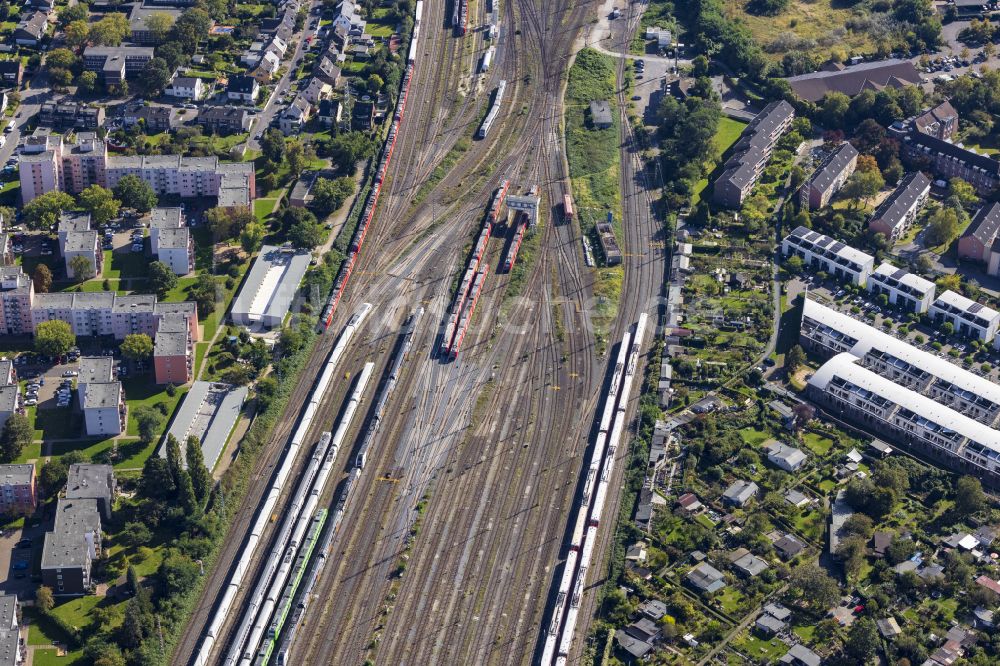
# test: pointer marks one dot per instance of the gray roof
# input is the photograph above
(832, 166)
(54, 300)
(170, 344)
(16, 475)
(165, 218)
(173, 323)
(181, 307)
(9, 640)
(208, 411)
(754, 142)
(898, 204)
(86, 481)
(86, 300)
(750, 564)
(740, 491)
(853, 80)
(66, 545)
(706, 577)
(109, 51)
(600, 112)
(171, 239)
(96, 369)
(8, 398)
(270, 286)
(134, 303)
(81, 241)
(8, 612)
(770, 623)
(101, 395)
(73, 221)
(5, 371)
(184, 82)
(800, 654)
(985, 226)
(34, 24)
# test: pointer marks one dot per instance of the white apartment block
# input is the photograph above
(51, 164)
(104, 409)
(176, 249)
(160, 219)
(904, 289)
(969, 318)
(822, 253)
(109, 314)
(70, 221)
(17, 292)
(84, 244)
(828, 332)
(876, 403)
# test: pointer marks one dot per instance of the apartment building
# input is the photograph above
(904, 289)
(162, 218)
(85, 481)
(86, 244)
(940, 122)
(18, 492)
(71, 167)
(896, 214)
(66, 114)
(875, 403)
(104, 409)
(969, 318)
(108, 314)
(17, 292)
(186, 87)
(138, 22)
(822, 253)
(176, 249)
(93, 370)
(115, 63)
(71, 547)
(949, 160)
(242, 88)
(172, 354)
(827, 332)
(831, 175)
(979, 238)
(225, 119)
(70, 222)
(751, 152)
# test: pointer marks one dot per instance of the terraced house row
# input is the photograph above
(897, 391)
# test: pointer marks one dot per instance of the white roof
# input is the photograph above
(964, 304)
(906, 278)
(830, 245)
(968, 542)
(870, 338)
(845, 366)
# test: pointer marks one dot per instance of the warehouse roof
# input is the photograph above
(209, 412)
(270, 286)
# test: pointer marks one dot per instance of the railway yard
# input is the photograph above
(454, 527)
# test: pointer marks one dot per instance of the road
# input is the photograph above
(275, 103)
(33, 95)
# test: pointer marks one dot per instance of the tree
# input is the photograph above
(375, 83)
(346, 150)
(252, 237)
(68, 14)
(329, 195)
(794, 359)
(60, 78)
(54, 338)
(155, 75)
(965, 192)
(969, 496)
(866, 163)
(161, 278)
(137, 346)
(44, 600)
(156, 481)
(942, 227)
(228, 222)
(77, 33)
(82, 268)
(17, 434)
(811, 585)
(159, 25)
(835, 106)
(266, 389)
(148, 420)
(87, 82)
(273, 146)
(135, 534)
(925, 263)
(237, 375)
(186, 495)
(43, 212)
(42, 277)
(862, 640)
(100, 202)
(135, 193)
(63, 58)
(794, 264)
(863, 185)
(859, 524)
(307, 234)
(201, 480)
(110, 30)
(205, 294)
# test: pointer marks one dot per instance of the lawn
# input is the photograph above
(132, 453)
(754, 437)
(200, 349)
(729, 600)
(262, 208)
(76, 612)
(32, 451)
(125, 265)
(817, 443)
(759, 649)
(142, 392)
(50, 657)
(726, 135)
(57, 423)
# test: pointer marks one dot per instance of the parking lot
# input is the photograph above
(863, 307)
(18, 548)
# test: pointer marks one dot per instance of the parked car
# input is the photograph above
(71, 373)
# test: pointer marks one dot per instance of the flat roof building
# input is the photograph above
(18, 493)
(71, 547)
(104, 409)
(822, 253)
(969, 318)
(270, 287)
(209, 412)
(903, 289)
(96, 482)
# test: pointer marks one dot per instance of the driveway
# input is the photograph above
(16, 563)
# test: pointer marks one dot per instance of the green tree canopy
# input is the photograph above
(133, 192)
(54, 338)
(161, 278)
(17, 434)
(43, 211)
(137, 346)
(100, 202)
